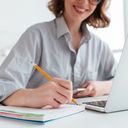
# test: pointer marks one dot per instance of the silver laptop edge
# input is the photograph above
(117, 99)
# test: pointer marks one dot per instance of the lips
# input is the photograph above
(79, 9)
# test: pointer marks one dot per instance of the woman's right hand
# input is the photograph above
(53, 93)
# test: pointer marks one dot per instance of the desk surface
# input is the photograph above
(87, 118)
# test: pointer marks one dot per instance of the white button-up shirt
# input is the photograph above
(50, 46)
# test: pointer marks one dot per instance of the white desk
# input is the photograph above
(88, 119)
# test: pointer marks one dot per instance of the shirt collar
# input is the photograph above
(62, 27)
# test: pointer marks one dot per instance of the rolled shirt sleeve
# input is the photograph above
(17, 68)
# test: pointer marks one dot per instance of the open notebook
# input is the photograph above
(40, 115)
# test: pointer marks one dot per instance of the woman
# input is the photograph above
(63, 47)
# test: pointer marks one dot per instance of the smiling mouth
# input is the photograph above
(79, 9)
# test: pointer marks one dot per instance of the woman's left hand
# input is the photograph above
(94, 88)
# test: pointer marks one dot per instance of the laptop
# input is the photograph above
(118, 98)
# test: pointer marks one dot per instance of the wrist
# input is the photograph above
(18, 98)
(107, 87)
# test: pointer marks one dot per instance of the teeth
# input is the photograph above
(80, 9)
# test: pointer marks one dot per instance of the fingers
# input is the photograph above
(89, 91)
(64, 88)
(65, 93)
(60, 99)
(56, 99)
(64, 83)
(85, 85)
(54, 103)
(61, 92)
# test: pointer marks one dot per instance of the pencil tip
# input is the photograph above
(74, 101)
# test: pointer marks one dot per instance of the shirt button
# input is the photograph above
(76, 71)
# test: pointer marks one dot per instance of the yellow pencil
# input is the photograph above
(43, 72)
(49, 77)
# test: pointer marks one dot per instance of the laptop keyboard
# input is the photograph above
(97, 103)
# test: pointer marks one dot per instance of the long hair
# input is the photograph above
(98, 19)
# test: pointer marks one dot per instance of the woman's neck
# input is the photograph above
(73, 25)
(74, 28)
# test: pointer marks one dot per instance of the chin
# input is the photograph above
(80, 19)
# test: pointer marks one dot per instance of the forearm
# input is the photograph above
(50, 93)
(18, 98)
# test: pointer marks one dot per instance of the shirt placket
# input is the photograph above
(77, 72)
(75, 62)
